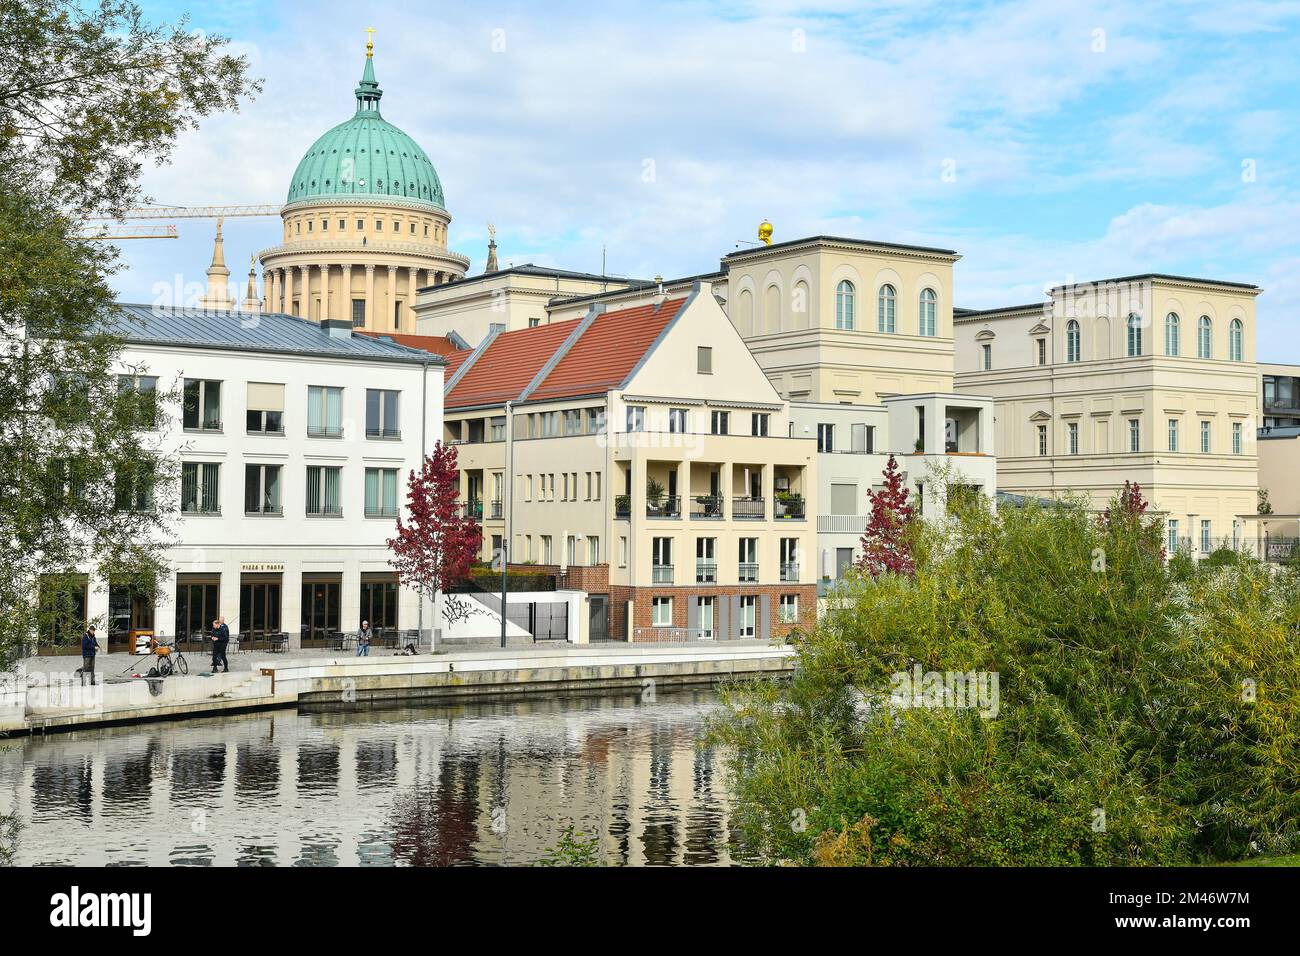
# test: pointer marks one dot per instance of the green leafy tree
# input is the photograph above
(88, 95)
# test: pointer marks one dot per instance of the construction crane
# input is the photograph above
(175, 212)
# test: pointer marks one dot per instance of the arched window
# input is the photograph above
(844, 305)
(885, 321)
(1235, 349)
(926, 324)
(1171, 334)
(1072, 343)
(1134, 334)
(1204, 338)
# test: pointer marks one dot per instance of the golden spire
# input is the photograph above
(370, 42)
(765, 233)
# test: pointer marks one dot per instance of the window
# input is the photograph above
(1236, 438)
(706, 560)
(748, 606)
(343, 224)
(790, 559)
(1205, 338)
(704, 360)
(1072, 434)
(593, 550)
(1134, 435)
(1171, 334)
(323, 484)
(789, 609)
(1134, 334)
(661, 612)
(262, 490)
(381, 493)
(1042, 440)
(926, 324)
(324, 225)
(381, 414)
(133, 486)
(825, 437)
(885, 313)
(546, 549)
(358, 313)
(379, 599)
(196, 605)
(1205, 438)
(534, 321)
(986, 351)
(1042, 351)
(570, 550)
(748, 563)
(265, 408)
(144, 392)
(635, 418)
(1235, 350)
(202, 405)
(677, 420)
(661, 560)
(1173, 434)
(573, 421)
(1072, 341)
(622, 551)
(1171, 535)
(324, 411)
(1205, 535)
(379, 225)
(361, 225)
(720, 422)
(397, 315)
(844, 305)
(199, 488)
(705, 622)
(758, 424)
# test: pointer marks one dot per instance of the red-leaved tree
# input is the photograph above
(884, 544)
(436, 545)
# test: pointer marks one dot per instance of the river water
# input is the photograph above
(475, 783)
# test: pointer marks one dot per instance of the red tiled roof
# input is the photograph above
(607, 351)
(507, 365)
(438, 344)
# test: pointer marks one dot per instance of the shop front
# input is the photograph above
(321, 602)
(260, 591)
(198, 602)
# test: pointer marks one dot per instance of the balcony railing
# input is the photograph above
(383, 432)
(669, 507)
(752, 509)
(498, 510)
(661, 574)
(747, 573)
(325, 431)
(707, 507)
(474, 509)
(623, 506)
(789, 571)
(706, 572)
(672, 635)
(790, 508)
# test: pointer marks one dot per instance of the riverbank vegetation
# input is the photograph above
(1144, 711)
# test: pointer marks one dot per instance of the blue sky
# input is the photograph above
(1044, 141)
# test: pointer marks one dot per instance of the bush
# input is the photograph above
(1142, 717)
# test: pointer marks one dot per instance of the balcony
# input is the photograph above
(749, 509)
(623, 506)
(498, 511)
(706, 572)
(474, 509)
(667, 507)
(661, 574)
(747, 573)
(707, 507)
(789, 572)
(790, 508)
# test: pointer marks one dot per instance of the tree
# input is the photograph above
(88, 96)
(1263, 505)
(885, 549)
(437, 544)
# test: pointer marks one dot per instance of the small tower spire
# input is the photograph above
(368, 91)
(492, 250)
(218, 294)
(251, 302)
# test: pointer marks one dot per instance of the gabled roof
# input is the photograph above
(272, 332)
(505, 367)
(607, 351)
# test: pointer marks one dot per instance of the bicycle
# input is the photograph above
(170, 660)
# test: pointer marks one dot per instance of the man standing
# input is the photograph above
(89, 647)
(363, 640)
(220, 639)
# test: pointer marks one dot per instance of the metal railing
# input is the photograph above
(790, 508)
(843, 524)
(752, 509)
(661, 574)
(708, 507)
(789, 571)
(706, 572)
(498, 509)
(325, 431)
(383, 433)
(667, 507)
(747, 572)
(622, 506)
(473, 508)
(672, 635)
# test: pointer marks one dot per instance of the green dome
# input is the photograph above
(366, 156)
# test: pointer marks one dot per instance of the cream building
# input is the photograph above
(1148, 378)
(365, 225)
(653, 467)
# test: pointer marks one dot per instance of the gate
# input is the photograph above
(598, 619)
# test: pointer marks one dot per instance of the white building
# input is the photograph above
(295, 442)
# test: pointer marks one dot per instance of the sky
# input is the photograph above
(1046, 142)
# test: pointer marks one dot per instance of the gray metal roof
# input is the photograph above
(253, 332)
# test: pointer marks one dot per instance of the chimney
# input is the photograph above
(337, 328)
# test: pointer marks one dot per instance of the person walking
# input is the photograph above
(363, 640)
(89, 648)
(220, 638)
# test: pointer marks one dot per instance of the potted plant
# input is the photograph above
(654, 493)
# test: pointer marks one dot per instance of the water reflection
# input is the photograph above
(479, 783)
